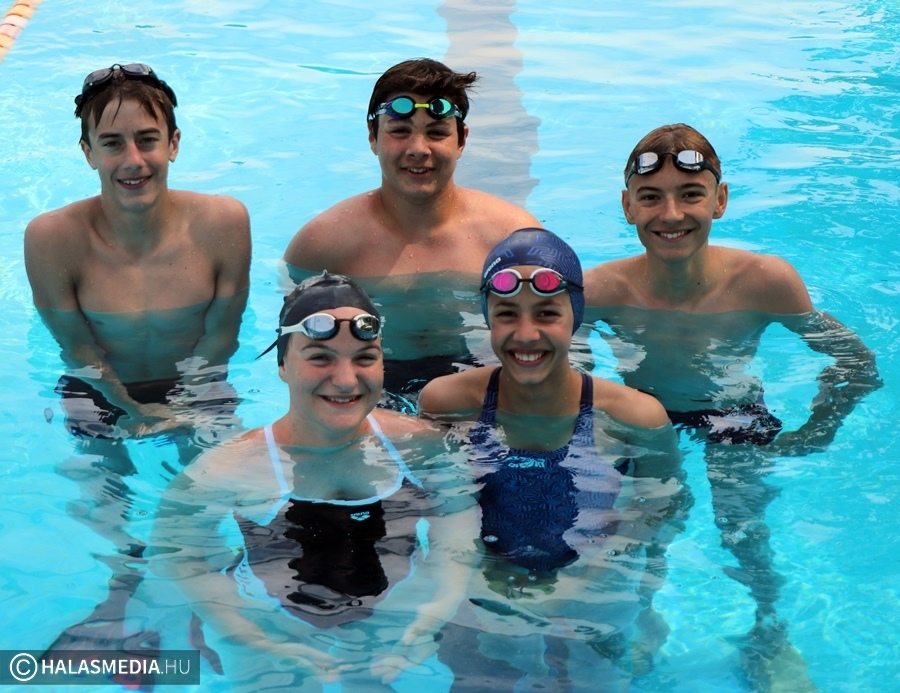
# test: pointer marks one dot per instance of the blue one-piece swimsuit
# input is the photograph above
(328, 562)
(530, 498)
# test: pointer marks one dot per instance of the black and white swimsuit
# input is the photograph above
(328, 562)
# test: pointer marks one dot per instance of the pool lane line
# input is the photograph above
(13, 22)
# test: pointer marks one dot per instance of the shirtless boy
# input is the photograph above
(687, 318)
(419, 236)
(143, 287)
(685, 294)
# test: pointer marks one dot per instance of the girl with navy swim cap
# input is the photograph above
(549, 446)
(533, 301)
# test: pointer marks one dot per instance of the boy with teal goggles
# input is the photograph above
(404, 107)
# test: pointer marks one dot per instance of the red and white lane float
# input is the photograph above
(13, 22)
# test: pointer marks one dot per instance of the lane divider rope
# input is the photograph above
(13, 22)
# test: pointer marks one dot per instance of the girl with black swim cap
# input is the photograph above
(331, 517)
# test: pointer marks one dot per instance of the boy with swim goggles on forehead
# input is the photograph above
(138, 71)
(100, 257)
(415, 124)
(402, 107)
(130, 81)
(448, 91)
(685, 160)
(693, 312)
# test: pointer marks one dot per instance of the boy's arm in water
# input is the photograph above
(842, 385)
(230, 239)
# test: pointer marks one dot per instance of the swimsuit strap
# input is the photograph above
(277, 467)
(483, 428)
(287, 491)
(394, 453)
(583, 435)
(491, 397)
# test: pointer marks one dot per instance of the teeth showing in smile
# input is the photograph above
(528, 358)
(417, 170)
(673, 235)
(133, 181)
(342, 400)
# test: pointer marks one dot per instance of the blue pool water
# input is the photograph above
(799, 98)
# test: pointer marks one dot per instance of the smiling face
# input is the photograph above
(531, 334)
(417, 154)
(334, 383)
(673, 210)
(131, 151)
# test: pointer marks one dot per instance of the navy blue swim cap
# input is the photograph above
(541, 248)
(313, 295)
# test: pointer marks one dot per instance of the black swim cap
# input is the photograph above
(541, 248)
(313, 295)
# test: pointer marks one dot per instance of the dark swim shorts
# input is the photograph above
(99, 420)
(745, 423)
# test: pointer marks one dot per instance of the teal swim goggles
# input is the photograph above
(95, 80)
(404, 107)
(685, 160)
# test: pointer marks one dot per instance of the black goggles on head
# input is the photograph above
(685, 160)
(98, 78)
(323, 326)
(403, 107)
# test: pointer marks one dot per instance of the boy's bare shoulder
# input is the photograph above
(74, 217)
(765, 283)
(214, 213)
(329, 238)
(495, 212)
(612, 283)
(61, 235)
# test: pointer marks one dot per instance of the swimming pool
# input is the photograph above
(800, 100)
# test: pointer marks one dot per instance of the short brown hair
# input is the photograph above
(122, 88)
(423, 76)
(674, 138)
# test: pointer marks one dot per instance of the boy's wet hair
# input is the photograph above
(672, 139)
(120, 88)
(425, 77)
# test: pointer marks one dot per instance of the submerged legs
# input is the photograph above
(740, 494)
